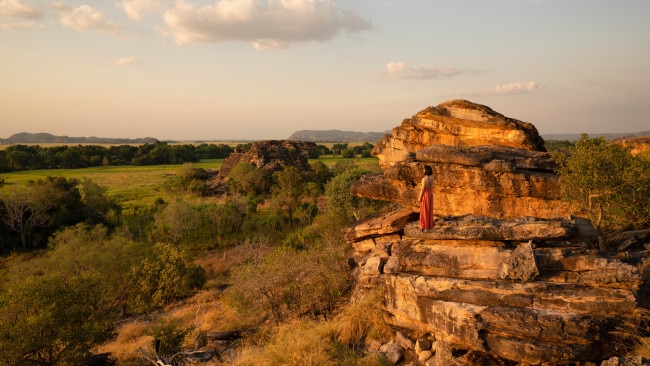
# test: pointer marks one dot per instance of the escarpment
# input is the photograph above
(507, 272)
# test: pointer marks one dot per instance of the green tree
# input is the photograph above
(342, 204)
(167, 276)
(96, 203)
(178, 220)
(289, 190)
(605, 180)
(56, 308)
(247, 179)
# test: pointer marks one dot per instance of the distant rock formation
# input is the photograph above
(336, 136)
(40, 138)
(507, 273)
(270, 155)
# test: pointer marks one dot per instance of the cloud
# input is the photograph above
(124, 61)
(271, 24)
(85, 18)
(400, 70)
(16, 9)
(515, 88)
(136, 8)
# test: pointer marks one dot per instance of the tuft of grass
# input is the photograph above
(363, 320)
(632, 336)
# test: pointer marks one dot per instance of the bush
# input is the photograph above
(168, 276)
(606, 181)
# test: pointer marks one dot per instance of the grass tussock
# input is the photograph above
(632, 336)
(305, 343)
(130, 338)
(362, 320)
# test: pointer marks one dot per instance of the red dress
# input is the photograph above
(426, 204)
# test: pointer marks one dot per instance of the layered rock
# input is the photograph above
(507, 272)
(456, 122)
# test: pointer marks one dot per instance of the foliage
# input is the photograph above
(37, 210)
(176, 221)
(287, 282)
(170, 336)
(247, 179)
(56, 308)
(342, 204)
(289, 191)
(168, 276)
(559, 146)
(26, 157)
(608, 182)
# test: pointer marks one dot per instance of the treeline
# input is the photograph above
(31, 157)
(34, 157)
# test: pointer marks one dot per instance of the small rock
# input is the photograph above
(424, 356)
(392, 265)
(392, 351)
(403, 340)
(374, 345)
(373, 266)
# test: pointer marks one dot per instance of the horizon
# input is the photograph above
(124, 68)
(207, 140)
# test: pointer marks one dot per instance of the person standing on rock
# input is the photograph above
(426, 199)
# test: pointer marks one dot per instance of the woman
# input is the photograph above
(426, 199)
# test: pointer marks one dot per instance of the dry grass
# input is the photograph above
(632, 336)
(362, 320)
(130, 339)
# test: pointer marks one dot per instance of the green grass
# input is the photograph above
(129, 185)
(141, 185)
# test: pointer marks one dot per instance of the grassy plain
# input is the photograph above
(141, 185)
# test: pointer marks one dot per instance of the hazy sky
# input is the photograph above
(253, 69)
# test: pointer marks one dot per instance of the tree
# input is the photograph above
(57, 307)
(96, 203)
(605, 180)
(247, 179)
(344, 205)
(289, 191)
(176, 221)
(25, 211)
(167, 276)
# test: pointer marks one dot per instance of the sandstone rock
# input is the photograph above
(393, 351)
(507, 274)
(373, 266)
(471, 227)
(468, 190)
(391, 265)
(456, 122)
(626, 361)
(379, 225)
(424, 356)
(404, 341)
(520, 266)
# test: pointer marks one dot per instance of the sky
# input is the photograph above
(216, 70)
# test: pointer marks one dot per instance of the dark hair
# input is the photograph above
(428, 170)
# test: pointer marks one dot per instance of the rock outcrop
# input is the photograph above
(459, 123)
(269, 155)
(507, 273)
(636, 145)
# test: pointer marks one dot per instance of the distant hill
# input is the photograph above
(336, 136)
(607, 136)
(42, 138)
